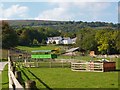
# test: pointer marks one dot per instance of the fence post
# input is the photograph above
(13, 69)
(18, 76)
(30, 85)
(62, 64)
(50, 64)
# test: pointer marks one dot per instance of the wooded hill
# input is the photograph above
(98, 36)
(61, 25)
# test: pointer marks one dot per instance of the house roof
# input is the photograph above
(74, 38)
(55, 38)
(72, 49)
(66, 38)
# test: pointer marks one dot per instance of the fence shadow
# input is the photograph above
(117, 70)
(40, 80)
(24, 74)
(5, 83)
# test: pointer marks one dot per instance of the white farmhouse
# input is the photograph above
(67, 40)
(56, 40)
(74, 40)
(61, 40)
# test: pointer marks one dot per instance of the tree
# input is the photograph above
(28, 35)
(117, 41)
(24, 38)
(9, 36)
(86, 39)
(35, 42)
(106, 41)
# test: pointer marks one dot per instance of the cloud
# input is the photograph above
(13, 12)
(57, 13)
(59, 0)
(81, 0)
(75, 10)
(72, 10)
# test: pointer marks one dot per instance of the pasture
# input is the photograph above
(65, 78)
(48, 47)
(47, 77)
(61, 49)
(59, 77)
(52, 78)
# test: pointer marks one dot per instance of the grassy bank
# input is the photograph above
(5, 81)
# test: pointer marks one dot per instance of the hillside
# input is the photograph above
(79, 24)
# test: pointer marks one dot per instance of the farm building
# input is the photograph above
(56, 40)
(66, 40)
(71, 51)
(43, 54)
(74, 40)
(61, 40)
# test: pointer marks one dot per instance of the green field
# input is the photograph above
(48, 47)
(5, 82)
(65, 78)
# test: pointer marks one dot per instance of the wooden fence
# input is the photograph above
(93, 67)
(13, 82)
(47, 64)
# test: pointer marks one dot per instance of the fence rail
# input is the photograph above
(88, 66)
(13, 82)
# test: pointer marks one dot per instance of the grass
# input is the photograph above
(48, 47)
(65, 78)
(5, 81)
(77, 57)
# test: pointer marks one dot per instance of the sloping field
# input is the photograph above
(65, 78)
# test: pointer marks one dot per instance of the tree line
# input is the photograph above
(102, 41)
(105, 41)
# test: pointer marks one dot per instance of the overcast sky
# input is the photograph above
(61, 11)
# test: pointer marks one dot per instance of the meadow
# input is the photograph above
(52, 78)
(48, 47)
(61, 49)
(65, 78)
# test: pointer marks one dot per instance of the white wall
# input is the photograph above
(68, 41)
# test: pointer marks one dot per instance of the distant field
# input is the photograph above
(49, 47)
(4, 53)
